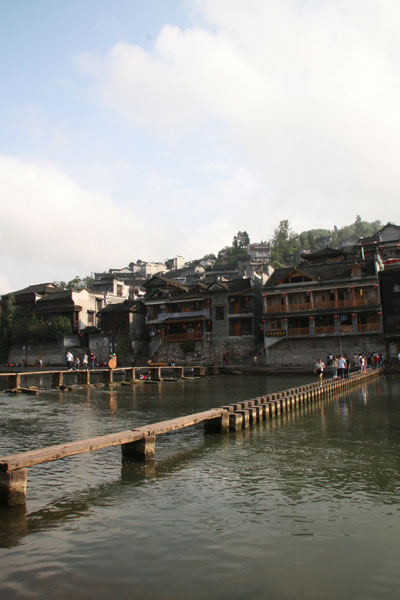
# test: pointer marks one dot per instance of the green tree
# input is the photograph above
(284, 244)
(59, 326)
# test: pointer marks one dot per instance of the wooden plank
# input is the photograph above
(180, 422)
(50, 453)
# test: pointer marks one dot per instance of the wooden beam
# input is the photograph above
(50, 453)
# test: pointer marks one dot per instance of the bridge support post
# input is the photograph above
(58, 378)
(142, 450)
(217, 425)
(13, 487)
(245, 417)
(235, 421)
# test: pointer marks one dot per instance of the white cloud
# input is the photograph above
(306, 92)
(52, 228)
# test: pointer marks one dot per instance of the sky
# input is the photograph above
(143, 129)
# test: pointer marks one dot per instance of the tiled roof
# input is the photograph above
(324, 271)
(38, 288)
(118, 307)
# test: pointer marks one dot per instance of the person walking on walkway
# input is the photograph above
(341, 366)
(92, 360)
(319, 370)
(69, 359)
(334, 367)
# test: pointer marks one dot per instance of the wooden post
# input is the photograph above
(266, 411)
(142, 450)
(109, 376)
(246, 418)
(259, 413)
(252, 414)
(283, 405)
(229, 408)
(133, 374)
(217, 425)
(58, 378)
(17, 380)
(86, 377)
(235, 421)
(13, 487)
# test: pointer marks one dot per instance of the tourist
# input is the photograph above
(334, 367)
(341, 366)
(92, 360)
(347, 369)
(319, 370)
(85, 360)
(77, 363)
(69, 359)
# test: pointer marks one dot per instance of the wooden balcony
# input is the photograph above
(324, 330)
(369, 327)
(299, 331)
(346, 328)
(183, 337)
(276, 309)
(348, 303)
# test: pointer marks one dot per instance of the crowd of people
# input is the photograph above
(84, 363)
(341, 364)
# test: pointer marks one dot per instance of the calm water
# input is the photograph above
(304, 506)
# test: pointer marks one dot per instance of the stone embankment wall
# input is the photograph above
(237, 350)
(303, 352)
(52, 355)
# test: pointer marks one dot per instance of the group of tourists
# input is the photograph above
(84, 363)
(341, 364)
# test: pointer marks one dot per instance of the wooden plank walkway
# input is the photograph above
(139, 443)
(155, 373)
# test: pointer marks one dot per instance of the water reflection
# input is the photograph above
(304, 493)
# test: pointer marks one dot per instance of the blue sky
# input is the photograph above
(146, 129)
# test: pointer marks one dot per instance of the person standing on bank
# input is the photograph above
(319, 370)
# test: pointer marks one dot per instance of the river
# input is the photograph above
(303, 506)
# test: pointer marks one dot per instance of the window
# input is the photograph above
(220, 313)
(119, 290)
(90, 316)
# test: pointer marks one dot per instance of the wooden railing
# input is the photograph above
(324, 329)
(346, 328)
(323, 305)
(299, 331)
(369, 327)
